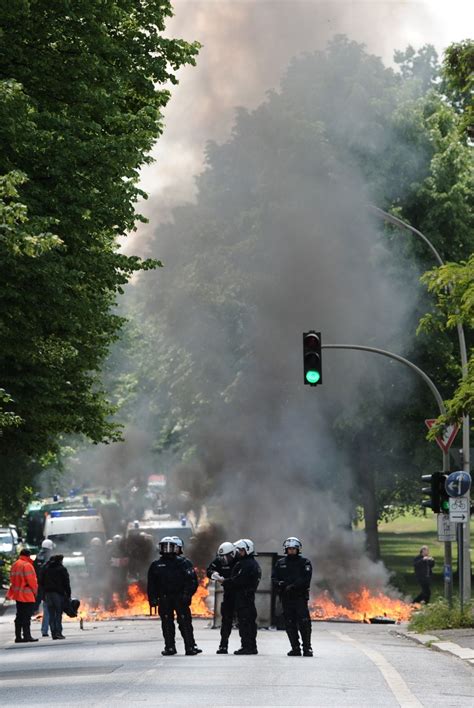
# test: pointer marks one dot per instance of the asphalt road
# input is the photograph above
(119, 663)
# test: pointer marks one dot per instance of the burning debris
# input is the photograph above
(136, 604)
(362, 606)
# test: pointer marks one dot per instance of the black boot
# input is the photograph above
(169, 651)
(18, 638)
(222, 649)
(293, 636)
(305, 629)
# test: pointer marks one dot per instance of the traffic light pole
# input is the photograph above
(448, 575)
(464, 552)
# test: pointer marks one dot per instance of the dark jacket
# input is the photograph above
(40, 564)
(56, 578)
(194, 582)
(423, 568)
(170, 575)
(291, 576)
(244, 577)
(217, 566)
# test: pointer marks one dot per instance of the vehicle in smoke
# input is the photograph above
(159, 525)
(71, 531)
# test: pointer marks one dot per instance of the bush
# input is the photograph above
(439, 615)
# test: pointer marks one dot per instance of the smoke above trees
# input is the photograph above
(278, 241)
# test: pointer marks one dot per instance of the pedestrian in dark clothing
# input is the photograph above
(220, 569)
(244, 579)
(291, 578)
(179, 546)
(57, 591)
(170, 586)
(40, 563)
(23, 589)
(423, 564)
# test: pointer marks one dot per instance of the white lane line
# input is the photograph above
(403, 695)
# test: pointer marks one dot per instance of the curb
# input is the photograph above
(433, 642)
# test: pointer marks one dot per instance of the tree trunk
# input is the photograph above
(366, 478)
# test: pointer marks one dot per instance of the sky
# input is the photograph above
(247, 45)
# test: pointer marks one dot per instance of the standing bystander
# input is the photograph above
(23, 589)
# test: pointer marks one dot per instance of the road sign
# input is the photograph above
(448, 573)
(449, 434)
(446, 529)
(459, 509)
(458, 483)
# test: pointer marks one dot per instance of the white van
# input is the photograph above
(72, 529)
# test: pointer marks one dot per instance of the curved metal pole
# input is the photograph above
(399, 358)
(398, 222)
(461, 338)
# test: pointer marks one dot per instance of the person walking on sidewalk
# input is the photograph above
(23, 589)
(57, 591)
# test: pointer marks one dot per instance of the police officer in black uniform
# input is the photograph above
(244, 579)
(220, 569)
(291, 578)
(195, 583)
(170, 586)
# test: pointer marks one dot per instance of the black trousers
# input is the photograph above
(168, 606)
(425, 593)
(55, 602)
(227, 616)
(246, 618)
(297, 619)
(24, 612)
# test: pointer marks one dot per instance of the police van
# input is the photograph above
(71, 531)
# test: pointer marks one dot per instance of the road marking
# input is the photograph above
(397, 685)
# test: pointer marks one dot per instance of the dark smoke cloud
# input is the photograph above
(266, 462)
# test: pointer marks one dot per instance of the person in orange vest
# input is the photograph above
(23, 589)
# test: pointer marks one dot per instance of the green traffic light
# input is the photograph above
(313, 377)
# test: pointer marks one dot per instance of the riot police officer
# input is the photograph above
(244, 579)
(220, 569)
(170, 586)
(291, 578)
(179, 550)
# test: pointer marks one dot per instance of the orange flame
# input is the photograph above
(361, 607)
(136, 604)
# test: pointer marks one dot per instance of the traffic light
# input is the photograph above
(312, 359)
(439, 499)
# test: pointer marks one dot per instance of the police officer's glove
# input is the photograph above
(289, 588)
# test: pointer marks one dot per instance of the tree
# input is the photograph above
(458, 74)
(82, 95)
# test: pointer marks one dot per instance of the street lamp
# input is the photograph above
(466, 556)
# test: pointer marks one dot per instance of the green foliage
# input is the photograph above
(439, 615)
(458, 74)
(81, 96)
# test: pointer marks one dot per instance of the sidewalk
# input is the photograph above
(457, 642)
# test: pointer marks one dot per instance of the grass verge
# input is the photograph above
(439, 615)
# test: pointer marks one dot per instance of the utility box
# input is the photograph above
(264, 597)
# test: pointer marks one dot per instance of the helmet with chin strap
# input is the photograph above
(245, 544)
(226, 550)
(179, 545)
(167, 545)
(292, 542)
